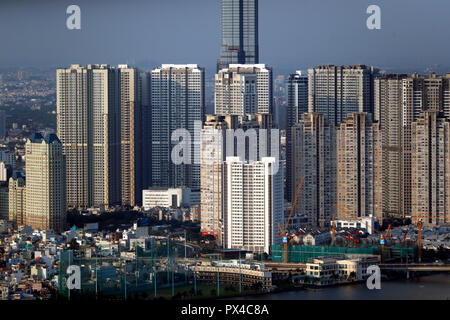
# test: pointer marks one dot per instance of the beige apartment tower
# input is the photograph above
(88, 124)
(389, 113)
(430, 168)
(45, 205)
(17, 198)
(399, 101)
(213, 155)
(314, 159)
(359, 179)
(339, 91)
(244, 89)
(132, 111)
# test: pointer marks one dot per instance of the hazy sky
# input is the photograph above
(293, 33)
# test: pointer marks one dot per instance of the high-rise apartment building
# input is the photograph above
(400, 100)
(134, 106)
(420, 93)
(213, 155)
(146, 97)
(430, 168)
(5, 172)
(359, 175)
(88, 124)
(338, 91)
(253, 204)
(389, 112)
(178, 102)
(17, 198)
(314, 159)
(244, 89)
(45, 205)
(297, 104)
(239, 33)
(249, 138)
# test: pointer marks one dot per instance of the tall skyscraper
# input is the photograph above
(239, 33)
(253, 204)
(359, 179)
(399, 100)
(133, 95)
(314, 159)
(338, 91)
(249, 138)
(244, 89)
(45, 205)
(430, 168)
(88, 124)
(420, 93)
(178, 102)
(213, 155)
(389, 112)
(297, 104)
(17, 198)
(146, 98)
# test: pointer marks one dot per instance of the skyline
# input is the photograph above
(194, 35)
(338, 174)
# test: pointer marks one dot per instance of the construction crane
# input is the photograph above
(292, 236)
(333, 230)
(350, 238)
(419, 231)
(351, 216)
(283, 233)
(383, 238)
(404, 237)
(333, 226)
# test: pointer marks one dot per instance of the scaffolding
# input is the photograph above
(162, 270)
(304, 253)
(158, 271)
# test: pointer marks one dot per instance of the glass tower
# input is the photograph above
(239, 33)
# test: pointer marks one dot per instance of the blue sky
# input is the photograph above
(294, 34)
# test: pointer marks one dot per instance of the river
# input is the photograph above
(430, 287)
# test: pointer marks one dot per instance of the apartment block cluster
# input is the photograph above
(369, 144)
(373, 145)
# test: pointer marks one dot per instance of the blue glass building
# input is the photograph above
(239, 33)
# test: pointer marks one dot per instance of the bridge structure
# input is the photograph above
(415, 267)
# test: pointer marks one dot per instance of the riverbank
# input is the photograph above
(430, 287)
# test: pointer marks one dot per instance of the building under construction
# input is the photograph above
(298, 253)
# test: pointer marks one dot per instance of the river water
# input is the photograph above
(431, 287)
